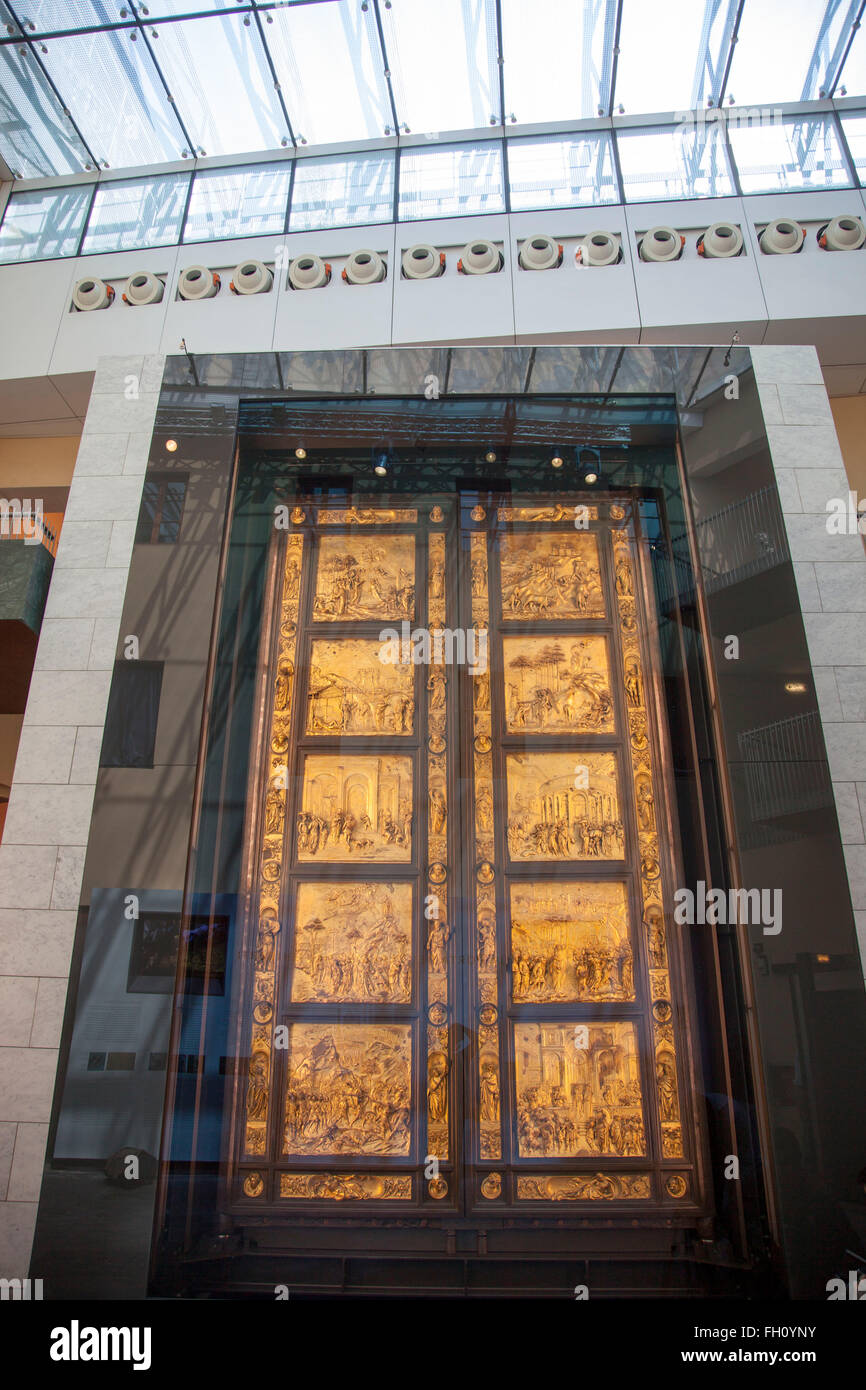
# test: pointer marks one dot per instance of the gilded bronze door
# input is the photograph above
(463, 994)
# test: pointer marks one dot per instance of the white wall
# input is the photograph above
(814, 297)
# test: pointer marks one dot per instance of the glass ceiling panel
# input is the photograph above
(343, 192)
(36, 139)
(47, 15)
(135, 213)
(558, 59)
(452, 182)
(775, 47)
(677, 162)
(329, 63)
(853, 76)
(39, 226)
(672, 66)
(122, 112)
(561, 171)
(443, 63)
(855, 134)
(157, 9)
(217, 72)
(800, 153)
(238, 202)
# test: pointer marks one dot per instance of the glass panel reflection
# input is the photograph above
(219, 77)
(329, 65)
(673, 65)
(124, 116)
(238, 202)
(343, 192)
(40, 225)
(560, 171)
(451, 182)
(558, 63)
(803, 152)
(134, 213)
(47, 15)
(443, 65)
(855, 134)
(35, 136)
(806, 41)
(684, 161)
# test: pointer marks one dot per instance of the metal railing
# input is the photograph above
(785, 767)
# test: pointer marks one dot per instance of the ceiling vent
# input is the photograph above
(197, 282)
(480, 258)
(92, 294)
(661, 244)
(720, 242)
(783, 237)
(364, 268)
(423, 262)
(143, 288)
(309, 273)
(251, 277)
(540, 253)
(599, 248)
(842, 234)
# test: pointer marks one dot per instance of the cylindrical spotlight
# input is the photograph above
(381, 461)
(589, 465)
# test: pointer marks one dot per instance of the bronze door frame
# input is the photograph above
(475, 1187)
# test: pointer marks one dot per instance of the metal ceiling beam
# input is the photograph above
(734, 40)
(823, 63)
(844, 58)
(615, 51)
(386, 70)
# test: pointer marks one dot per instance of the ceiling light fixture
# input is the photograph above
(557, 461)
(171, 445)
(589, 465)
(490, 456)
(381, 461)
(300, 452)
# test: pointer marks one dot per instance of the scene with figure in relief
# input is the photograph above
(557, 685)
(578, 1090)
(564, 806)
(348, 1089)
(355, 807)
(550, 575)
(365, 577)
(352, 691)
(570, 941)
(353, 942)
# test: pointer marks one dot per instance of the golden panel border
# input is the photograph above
(585, 1187)
(644, 791)
(345, 1187)
(271, 861)
(437, 942)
